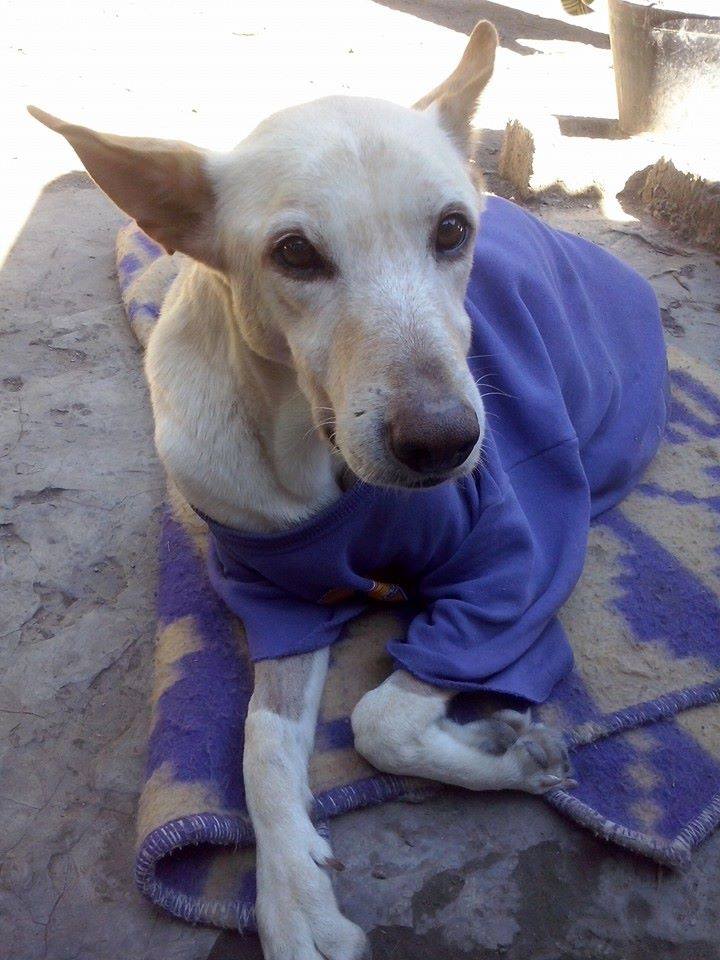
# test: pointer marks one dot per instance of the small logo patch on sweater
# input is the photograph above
(385, 592)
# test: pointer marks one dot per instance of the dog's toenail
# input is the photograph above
(536, 752)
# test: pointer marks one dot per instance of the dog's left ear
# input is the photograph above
(456, 98)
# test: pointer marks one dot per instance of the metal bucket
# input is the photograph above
(667, 66)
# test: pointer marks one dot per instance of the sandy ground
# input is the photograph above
(80, 489)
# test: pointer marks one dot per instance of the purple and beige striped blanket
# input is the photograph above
(640, 712)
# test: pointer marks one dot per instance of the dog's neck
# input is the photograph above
(301, 461)
(241, 443)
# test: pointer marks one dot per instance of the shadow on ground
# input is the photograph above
(513, 25)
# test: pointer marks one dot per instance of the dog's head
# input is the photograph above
(344, 228)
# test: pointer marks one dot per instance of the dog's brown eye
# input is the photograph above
(451, 233)
(297, 254)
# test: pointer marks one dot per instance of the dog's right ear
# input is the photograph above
(456, 98)
(162, 184)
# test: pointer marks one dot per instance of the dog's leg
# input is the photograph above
(298, 918)
(401, 727)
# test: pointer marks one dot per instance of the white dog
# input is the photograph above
(305, 308)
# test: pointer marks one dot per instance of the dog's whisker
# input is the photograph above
(316, 427)
(497, 393)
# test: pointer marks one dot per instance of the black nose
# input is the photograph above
(433, 443)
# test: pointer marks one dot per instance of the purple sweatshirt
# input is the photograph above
(572, 341)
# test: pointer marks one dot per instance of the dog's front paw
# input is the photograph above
(539, 755)
(298, 918)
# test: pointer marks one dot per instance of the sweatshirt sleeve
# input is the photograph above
(277, 623)
(488, 611)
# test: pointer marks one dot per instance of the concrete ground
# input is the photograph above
(80, 493)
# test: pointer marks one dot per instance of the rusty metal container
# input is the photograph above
(666, 55)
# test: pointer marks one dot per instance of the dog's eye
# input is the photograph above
(452, 232)
(296, 254)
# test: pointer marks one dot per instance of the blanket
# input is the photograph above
(640, 712)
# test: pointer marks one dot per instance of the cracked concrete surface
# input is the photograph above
(80, 494)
